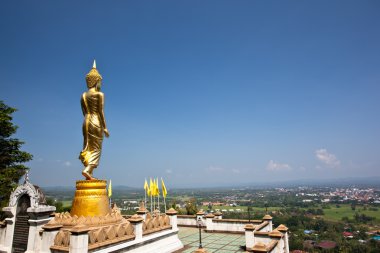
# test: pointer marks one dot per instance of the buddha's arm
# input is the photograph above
(83, 105)
(101, 113)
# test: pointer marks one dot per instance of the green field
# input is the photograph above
(332, 214)
(242, 208)
(66, 203)
(336, 214)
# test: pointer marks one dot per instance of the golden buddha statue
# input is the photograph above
(94, 124)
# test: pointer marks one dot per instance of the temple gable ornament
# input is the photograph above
(37, 197)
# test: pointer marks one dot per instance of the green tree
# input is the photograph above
(58, 205)
(191, 206)
(11, 157)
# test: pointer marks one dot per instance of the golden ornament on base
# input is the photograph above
(90, 199)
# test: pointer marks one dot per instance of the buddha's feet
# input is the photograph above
(88, 176)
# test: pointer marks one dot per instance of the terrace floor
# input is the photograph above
(212, 242)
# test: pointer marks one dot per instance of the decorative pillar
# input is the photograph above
(142, 210)
(218, 215)
(268, 218)
(3, 230)
(200, 215)
(172, 213)
(209, 223)
(48, 234)
(79, 239)
(136, 222)
(283, 229)
(37, 218)
(249, 236)
(10, 212)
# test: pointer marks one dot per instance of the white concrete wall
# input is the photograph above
(35, 238)
(166, 242)
(227, 226)
(47, 240)
(279, 247)
(186, 221)
(3, 231)
(8, 240)
(265, 240)
(78, 243)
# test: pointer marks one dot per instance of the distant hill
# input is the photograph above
(336, 182)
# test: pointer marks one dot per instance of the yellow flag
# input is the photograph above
(151, 187)
(154, 187)
(157, 188)
(146, 188)
(164, 191)
(110, 189)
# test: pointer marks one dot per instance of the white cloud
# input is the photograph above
(168, 171)
(236, 171)
(275, 166)
(325, 157)
(67, 163)
(214, 169)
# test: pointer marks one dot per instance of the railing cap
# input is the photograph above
(259, 247)
(79, 229)
(275, 233)
(171, 211)
(210, 215)
(52, 227)
(249, 227)
(267, 217)
(135, 219)
(282, 228)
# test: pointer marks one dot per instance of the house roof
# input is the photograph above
(326, 244)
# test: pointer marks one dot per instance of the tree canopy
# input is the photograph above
(11, 157)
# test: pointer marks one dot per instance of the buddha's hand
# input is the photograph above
(106, 133)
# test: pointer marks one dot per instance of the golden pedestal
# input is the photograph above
(90, 199)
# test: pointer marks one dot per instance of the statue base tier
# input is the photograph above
(91, 199)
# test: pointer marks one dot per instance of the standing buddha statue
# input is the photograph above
(94, 124)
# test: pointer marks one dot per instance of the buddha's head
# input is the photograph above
(93, 78)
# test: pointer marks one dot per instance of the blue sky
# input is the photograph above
(201, 93)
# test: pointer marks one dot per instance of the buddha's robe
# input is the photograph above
(93, 128)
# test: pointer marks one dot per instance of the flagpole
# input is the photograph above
(151, 193)
(165, 204)
(151, 202)
(154, 204)
(145, 192)
(158, 205)
(158, 196)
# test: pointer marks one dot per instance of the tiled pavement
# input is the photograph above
(212, 242)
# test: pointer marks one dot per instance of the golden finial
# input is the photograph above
(93, 77)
